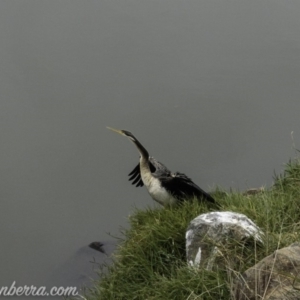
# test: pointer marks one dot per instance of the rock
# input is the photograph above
(210, 233)
(254, 191)
(275, 277)
(82, 265)
(98, 246)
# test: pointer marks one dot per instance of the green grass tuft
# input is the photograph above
(150, 262)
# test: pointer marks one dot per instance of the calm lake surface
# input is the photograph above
(211, 88)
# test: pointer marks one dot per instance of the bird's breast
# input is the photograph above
(154, 187)
(156, 191)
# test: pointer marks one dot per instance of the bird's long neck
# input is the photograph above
(144, 159)
(143, 152)
(144, 164)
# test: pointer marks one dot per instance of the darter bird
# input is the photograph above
(165, 187)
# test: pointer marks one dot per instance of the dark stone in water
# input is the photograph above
(98, 246)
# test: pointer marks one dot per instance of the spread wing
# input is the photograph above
(182, 187)
(178, 184)
(135, 176)
(156, 168)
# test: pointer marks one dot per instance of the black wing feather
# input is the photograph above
(182, 187)
(136, 180)
(135, 171)
(135, 176)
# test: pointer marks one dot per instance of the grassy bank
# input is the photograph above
(151, 264)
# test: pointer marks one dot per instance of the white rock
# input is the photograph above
(207, 230)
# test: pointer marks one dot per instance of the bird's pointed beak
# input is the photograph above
(116, 130)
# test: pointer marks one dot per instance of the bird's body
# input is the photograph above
(165, 187)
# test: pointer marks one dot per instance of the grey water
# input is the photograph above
(211, 88)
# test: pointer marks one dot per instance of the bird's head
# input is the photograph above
(124, 132)
(144, 153)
